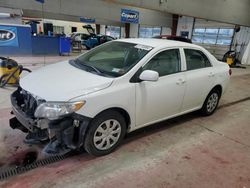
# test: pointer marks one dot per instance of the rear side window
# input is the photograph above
(165, 63)
(196, 59)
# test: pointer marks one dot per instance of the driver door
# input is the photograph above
(159, 100)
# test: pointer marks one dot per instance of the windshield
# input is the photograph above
(112, 59)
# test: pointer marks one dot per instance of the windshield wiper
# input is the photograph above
(88, 66)
(93, 68)
(79, 64)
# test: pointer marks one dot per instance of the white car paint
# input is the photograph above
(62, 82)
(146, 102)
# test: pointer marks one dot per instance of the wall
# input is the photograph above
(123, 32)
(241, 40)
(185, 24)
(133, 30)
(102, 29)
(44, 45)
(166, 31)
(17, 19)
(24, 40)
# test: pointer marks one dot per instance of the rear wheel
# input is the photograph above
(105, 133)
(211, 103)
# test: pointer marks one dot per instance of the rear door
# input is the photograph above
(200, 78)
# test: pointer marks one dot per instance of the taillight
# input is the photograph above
(230, 72)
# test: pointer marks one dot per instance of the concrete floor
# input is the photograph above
(189, 151)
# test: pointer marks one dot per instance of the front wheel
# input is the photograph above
(211, 103)
(105, 133)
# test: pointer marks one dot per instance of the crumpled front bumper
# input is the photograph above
(28, 122)
(64, 134)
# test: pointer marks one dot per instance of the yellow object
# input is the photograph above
(8, 67)
(230, 61)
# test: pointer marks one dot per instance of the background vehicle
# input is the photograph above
(93, 39)
(79, 36)
(79, 40)
(96, 40)
(116, 88)
(173, 37)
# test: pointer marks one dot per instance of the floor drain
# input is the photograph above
(12, 171)
(30, 158)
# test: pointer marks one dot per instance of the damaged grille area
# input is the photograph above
(26, 102)
(23, 107)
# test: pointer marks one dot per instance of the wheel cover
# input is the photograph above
(107, 134)
(212, 102)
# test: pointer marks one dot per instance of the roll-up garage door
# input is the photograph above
(216, 37)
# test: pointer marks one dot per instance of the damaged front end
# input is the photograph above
(62, 134)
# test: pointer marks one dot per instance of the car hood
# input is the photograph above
(62, 82)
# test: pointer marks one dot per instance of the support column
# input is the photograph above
(174, 24)
(133, 30)
(98, 28)
(127, 29)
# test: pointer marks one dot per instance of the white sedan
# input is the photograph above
(93, 100)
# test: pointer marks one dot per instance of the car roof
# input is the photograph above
(153, 42)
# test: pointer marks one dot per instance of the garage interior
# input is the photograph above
(187, 151)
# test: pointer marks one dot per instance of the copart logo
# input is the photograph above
(6, 35)
(130, 16)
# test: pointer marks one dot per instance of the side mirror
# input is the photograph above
(149, 75)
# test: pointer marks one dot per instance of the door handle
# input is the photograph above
(180, 81)
(211, 74)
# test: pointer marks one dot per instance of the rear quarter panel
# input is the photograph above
(222, 75)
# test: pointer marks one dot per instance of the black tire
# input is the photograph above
(89, 145)
(205, 110)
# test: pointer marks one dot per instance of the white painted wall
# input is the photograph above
(185, 24)
(102, 29)
(122, 32)
(166, 31)
(241, 40)
(133, 30)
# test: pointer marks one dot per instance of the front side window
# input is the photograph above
(196, 59)
(165, 63)
(112, 59)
